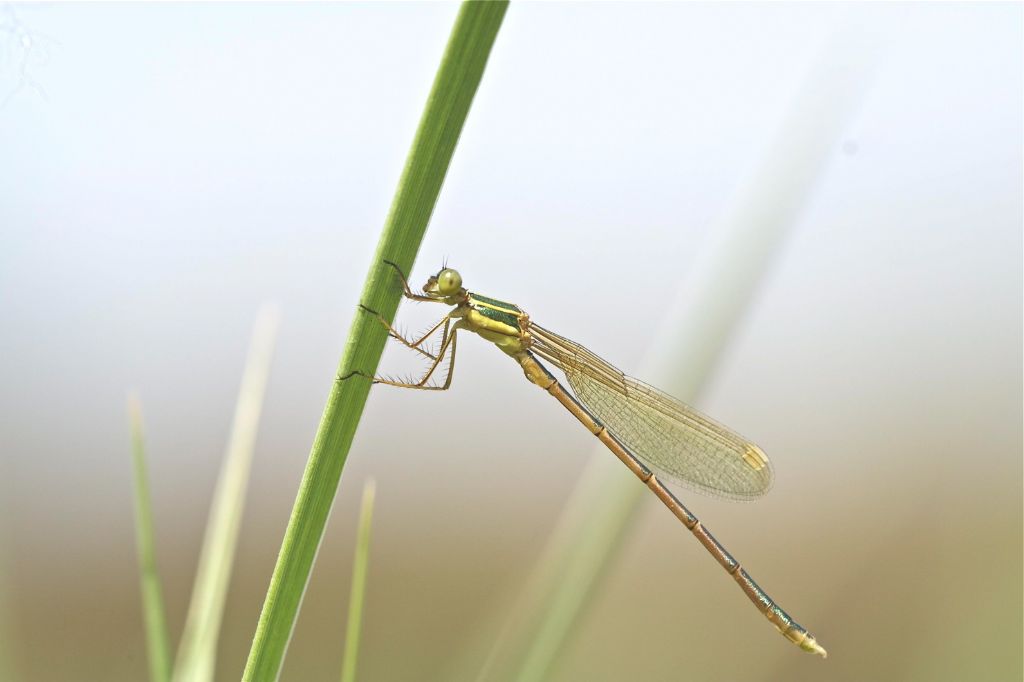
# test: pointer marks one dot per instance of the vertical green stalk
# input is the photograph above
(8, 638)
(358, 591)
(456, 82)
(157, 640)
(197, 652)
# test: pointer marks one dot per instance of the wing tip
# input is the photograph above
(755, 458)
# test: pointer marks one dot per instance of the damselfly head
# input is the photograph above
(447, 282)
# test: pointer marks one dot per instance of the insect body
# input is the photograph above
(653, 434)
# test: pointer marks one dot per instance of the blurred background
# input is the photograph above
(169, 168)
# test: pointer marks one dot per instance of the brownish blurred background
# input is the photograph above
(167, 168)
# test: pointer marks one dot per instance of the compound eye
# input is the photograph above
(448, 282)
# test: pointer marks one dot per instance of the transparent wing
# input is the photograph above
(676, 441)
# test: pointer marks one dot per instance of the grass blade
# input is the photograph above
(9, 644)
(358, 592)
(197, 652)
(693, 336)
(592, 524)
(452, 93)
(158, 643)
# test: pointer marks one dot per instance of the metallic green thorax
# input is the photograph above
(650, 432)
(493, 309)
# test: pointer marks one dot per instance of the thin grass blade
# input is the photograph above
(197, 652)
(591, 525)
(158, 644)
(9, 643)
(458, 76)
(696, 330)
(357, 595)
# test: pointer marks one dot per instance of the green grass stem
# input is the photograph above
(9, 643)
(197, 651)
(158, 645)
(448, 104)
(357, 594)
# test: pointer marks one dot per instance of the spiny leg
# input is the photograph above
(415, 345)
(406, 289)
(422, 383)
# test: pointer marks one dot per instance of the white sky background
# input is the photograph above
(166, 168)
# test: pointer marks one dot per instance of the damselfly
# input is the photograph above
(653, 434)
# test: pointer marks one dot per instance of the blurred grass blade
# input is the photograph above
(358, 591)
(158, 643)
(694, 333)
(591, 524)
(456, 82)
(9, 645)
(197, 652)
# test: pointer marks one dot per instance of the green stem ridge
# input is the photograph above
(458, 76)
(158, 643)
